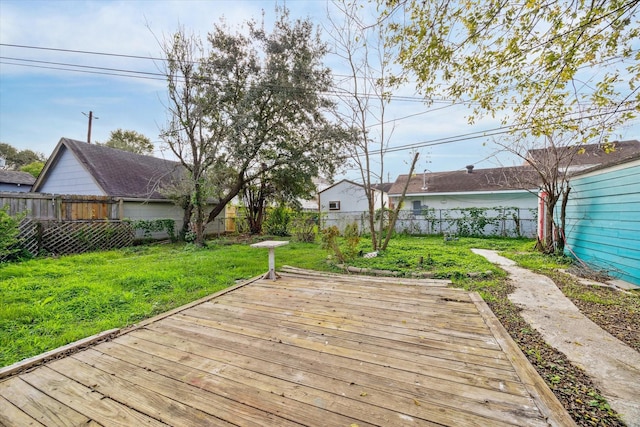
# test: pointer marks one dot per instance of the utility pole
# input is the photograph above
(90, 115)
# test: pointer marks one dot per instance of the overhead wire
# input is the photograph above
(117, 72)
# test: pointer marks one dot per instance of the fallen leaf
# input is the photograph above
(416, 402)
(363, 394)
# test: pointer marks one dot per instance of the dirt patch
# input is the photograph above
(615, 311)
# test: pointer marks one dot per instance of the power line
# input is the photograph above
(85, 52)
(480, 134)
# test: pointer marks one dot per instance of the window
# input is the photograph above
(417, 207)
(334, 206)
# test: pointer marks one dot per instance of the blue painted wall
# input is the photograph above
(603, 220)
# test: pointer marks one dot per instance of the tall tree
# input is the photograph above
(129, 140)
(364, 96)
(33, 168)
(249, 104)
(15, 159)
(563, 70)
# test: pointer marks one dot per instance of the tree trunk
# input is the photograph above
(186, 219)
(396, 211)
(199, 223)
(563, 219)
(372, 216)
(233, 192)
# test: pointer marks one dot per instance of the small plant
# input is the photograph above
(304, 226)
(330, 242)
(352, 239)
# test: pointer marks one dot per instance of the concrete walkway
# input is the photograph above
(613, 366)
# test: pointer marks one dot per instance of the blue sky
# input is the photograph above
(40, 105)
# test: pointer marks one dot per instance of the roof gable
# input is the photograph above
(119, 173)
(494, 179)
(383, 188)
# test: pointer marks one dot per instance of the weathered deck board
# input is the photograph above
(305, 350)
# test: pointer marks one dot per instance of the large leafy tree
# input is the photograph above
(15, 159)
(247, 106)
(130, 140)
(565, 71)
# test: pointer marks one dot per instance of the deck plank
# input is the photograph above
(12, 415)
(135, 396)
(386, 393)
(307, 349)
(85, 400)
(38, 405)
(189, 388)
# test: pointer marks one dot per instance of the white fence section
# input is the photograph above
(508, 222)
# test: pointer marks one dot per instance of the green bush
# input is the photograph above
(149, 226)
(352, 239)
(303, 226)
(349, 248)
(9, 231)
(277, 222)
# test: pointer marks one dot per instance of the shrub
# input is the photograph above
(149, 226)
(9, 231)
(349, 249)
(352, 239)
(303, 226)
(277, 222)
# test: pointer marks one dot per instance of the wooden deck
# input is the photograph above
(307, 349)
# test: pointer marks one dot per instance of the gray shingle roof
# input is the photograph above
(589, 154)
(16, 177)
(494, 179)
(121, 173)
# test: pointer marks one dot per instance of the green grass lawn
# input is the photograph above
(47, 303)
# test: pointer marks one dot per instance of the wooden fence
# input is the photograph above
(62, 207)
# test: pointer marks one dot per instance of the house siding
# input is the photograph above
(150, 210)
(353, 204)
(603, 220)
(446, 207)
(17, 188)
(70, 177)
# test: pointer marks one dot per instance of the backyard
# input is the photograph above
(49, 302)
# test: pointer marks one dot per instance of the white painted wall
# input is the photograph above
(148, 210)
(353, 204)
(518, 199)
(68, 176)
(525, 204)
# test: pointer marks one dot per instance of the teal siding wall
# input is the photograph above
(603, 220)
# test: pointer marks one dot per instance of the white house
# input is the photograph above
(346, 202)
(480, 201)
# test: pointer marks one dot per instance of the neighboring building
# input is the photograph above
(16, 181)
(346, 202)
(79, 168)
(580, 157)
(312, 204)
(603, 218)
(439, 202)
(575, 158)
